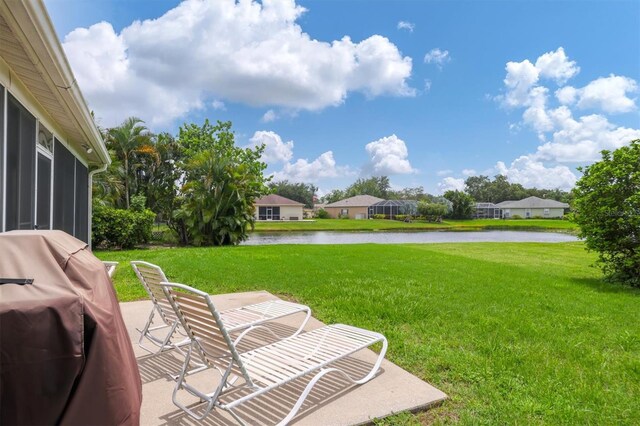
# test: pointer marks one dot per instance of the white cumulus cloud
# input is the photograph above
(451, 183)
(303, 170)
(609, 94)
(248, 52)
(276, 151)
(532, 173)
(388, 156)
(582, 140)
(523, 76)
(557, 66)
(564, 139)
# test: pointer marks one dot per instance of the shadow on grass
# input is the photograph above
(603, 286)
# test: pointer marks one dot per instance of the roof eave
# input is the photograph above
(52, 62)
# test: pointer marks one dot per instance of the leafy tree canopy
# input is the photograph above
(463, 204)
(221, 183)
(607, 204)
(301, 192)
(483, 189)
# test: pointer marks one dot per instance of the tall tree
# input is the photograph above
(301, 192)
(126, 141)
(462, 204)
(377, 186)
(607, 203)
(333, 196)
(221, 183)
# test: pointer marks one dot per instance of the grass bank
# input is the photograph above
(394, 225)
(515, 333)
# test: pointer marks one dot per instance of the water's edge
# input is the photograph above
(406, 237)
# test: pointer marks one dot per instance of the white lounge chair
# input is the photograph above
(263, 369)
(235, 320)
(111, 267)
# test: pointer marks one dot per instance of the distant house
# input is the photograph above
(276, 207)
(50, 147)
(533, 207)
(355, 207)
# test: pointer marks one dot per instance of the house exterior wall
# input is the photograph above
(288, 212)
(553, 212)
(30, 193)
(334, 212)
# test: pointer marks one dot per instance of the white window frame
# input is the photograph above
(3, 225)
(48, 154)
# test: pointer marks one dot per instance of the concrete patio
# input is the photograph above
(332, 402)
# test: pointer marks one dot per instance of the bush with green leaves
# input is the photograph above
(463, 204)
(121, 228)
(379, 216)
(322, 214)
(432, 212)
(607, 208)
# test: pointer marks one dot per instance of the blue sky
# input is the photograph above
(420, 91)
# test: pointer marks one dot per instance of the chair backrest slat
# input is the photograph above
(151, 276)
(201, 320)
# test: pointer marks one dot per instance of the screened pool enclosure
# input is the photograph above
(392, 208)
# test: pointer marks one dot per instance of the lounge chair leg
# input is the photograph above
(323, 372)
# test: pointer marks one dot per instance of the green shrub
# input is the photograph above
(322, 214)
(121, 228)
(400, 217)
(379, 216)
(516, 216)
(343, 216)
(138, 203)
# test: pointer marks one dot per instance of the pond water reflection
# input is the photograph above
(324, 237)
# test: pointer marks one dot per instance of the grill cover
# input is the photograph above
(65, 355)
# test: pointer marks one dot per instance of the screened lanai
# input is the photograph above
(487, 211)
(392, 208)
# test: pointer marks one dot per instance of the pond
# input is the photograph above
(380, 237)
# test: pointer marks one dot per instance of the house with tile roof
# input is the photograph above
(355, 207)
(533, 207)
(276, 207)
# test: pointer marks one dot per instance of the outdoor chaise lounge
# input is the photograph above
(235, 320)
(110, 267)
(263, 369)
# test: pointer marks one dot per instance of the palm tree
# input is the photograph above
(126, 140)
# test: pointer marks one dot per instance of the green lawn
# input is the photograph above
(515, 333)
(382, 225)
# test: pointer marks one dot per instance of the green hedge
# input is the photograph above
(121, 228)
